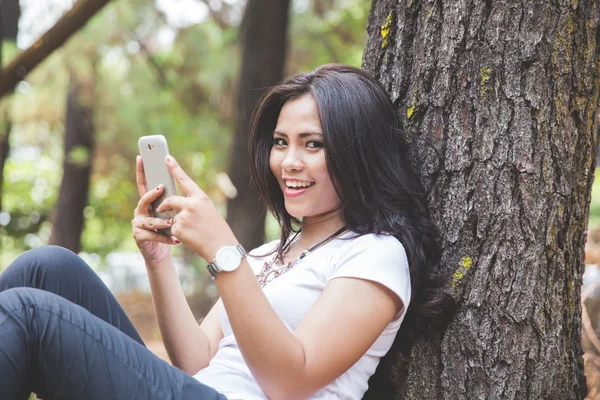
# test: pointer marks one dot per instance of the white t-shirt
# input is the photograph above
(379, 258)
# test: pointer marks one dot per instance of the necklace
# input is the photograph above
(268, 273)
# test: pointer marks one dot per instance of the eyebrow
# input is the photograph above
(301, 135)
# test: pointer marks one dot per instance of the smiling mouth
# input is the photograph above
(298, 185)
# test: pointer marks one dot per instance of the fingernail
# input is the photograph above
(176, 241)
(158, 187)
(169, 160)
(170, 221)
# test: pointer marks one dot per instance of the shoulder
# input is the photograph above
(380, 247)
(374, 257)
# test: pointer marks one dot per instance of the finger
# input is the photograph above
(149, 197)
(142, 235)
(140, 176)
(176, 203)
(188, 186)
(151, 223)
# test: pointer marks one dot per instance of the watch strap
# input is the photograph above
(213, 267)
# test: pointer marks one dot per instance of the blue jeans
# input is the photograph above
(63, 335)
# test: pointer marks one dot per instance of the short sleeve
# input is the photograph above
(377, 258)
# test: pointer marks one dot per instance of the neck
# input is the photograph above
(317, 228)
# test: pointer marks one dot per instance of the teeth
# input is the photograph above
(298, 184)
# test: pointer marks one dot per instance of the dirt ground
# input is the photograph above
(138, 307)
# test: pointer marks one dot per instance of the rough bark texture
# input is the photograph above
(507, 92)
(263, 36)
(79, 144)
(67, 25)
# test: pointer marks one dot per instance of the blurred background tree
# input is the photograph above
(263, 37)
(10, 12)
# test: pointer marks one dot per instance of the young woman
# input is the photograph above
(306, 316)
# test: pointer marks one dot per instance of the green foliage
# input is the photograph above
(79, 155)
(9, 51)
(594, 222)
(139, 83)
(339, 35)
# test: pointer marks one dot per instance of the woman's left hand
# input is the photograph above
(198, 224)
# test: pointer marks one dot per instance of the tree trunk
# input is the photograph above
(499, 100)
(5, 129)
(11, 12)
(263, 35)
(79, 145)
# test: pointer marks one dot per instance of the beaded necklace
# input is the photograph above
(268, 273)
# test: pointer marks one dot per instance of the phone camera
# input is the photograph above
(149, 147)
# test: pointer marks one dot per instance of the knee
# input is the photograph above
(19, 297)
(22, 305)
(46, 256)
(41, 263)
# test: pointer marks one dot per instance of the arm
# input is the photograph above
(190, 346)
(306, 360)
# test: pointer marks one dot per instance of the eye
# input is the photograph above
(279, 142)
(314, 144)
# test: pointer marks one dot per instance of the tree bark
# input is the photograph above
(263, 35)
(499, 100)
(78, 149)
(67, 25)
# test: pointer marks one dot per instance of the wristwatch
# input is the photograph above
(228, 259)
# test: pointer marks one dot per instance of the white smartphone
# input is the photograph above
(153, 150)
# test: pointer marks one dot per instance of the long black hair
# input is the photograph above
(366, 154)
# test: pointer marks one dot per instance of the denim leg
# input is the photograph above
(58, 270)
(75, 355)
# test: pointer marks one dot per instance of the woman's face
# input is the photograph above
(298, 160)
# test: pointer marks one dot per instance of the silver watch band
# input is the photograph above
(214, 269)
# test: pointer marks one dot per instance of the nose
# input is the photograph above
(292, 161)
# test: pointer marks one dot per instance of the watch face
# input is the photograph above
(228, 258)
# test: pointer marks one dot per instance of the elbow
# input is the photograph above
(189, 368)
(191, 371)
(294, 384)
(286, 394)
(291, 389)
(296, 388)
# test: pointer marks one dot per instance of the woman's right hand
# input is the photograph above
(154, 246)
